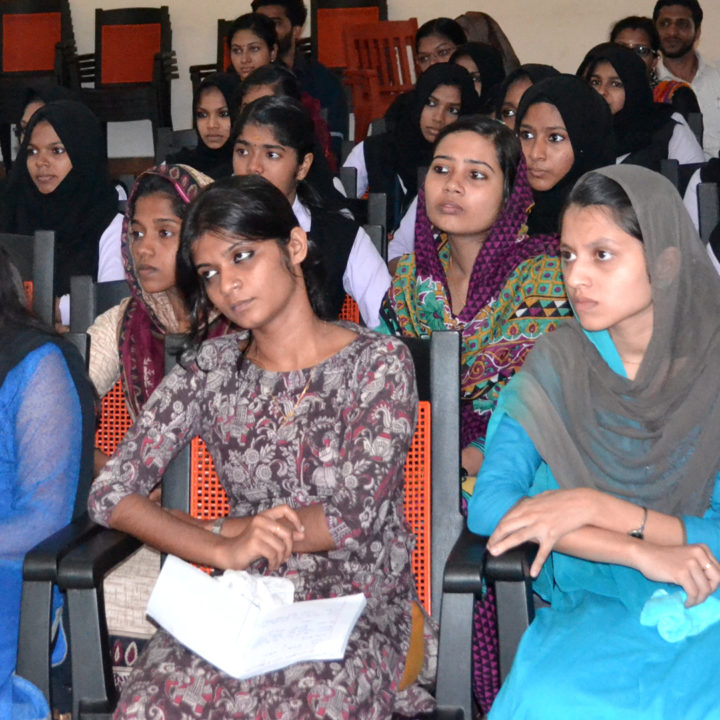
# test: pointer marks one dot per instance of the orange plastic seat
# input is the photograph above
(381, 66)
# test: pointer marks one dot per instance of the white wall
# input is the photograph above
(558, 32)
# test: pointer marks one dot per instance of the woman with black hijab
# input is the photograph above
(514, 86)
(213, 110)
(60, 182)
(646, 132)
(565, 130)
(485, 65)
(389, 162)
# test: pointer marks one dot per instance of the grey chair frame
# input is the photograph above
(89, 299)
(34, 258)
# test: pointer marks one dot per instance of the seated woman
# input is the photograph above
(47, 421)
(435, 41)
(514, 87)
(35, 98)
(485, 65)
(483, 28)
(388, 163)
(333, 393)
(598, 451)
(213, 110)
(645, 132)
(277, 80)
(641, 36)
(483, 275)
(565, 129)
(127, 341)
(275, 138)
(60, 182)
(252, 42)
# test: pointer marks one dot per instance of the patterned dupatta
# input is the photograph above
(508, 304)
(150, 316)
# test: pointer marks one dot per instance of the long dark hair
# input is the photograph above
(256, 23)
(251, 207)
(291, 125)
(596, 190)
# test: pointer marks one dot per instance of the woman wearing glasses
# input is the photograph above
(640, 35)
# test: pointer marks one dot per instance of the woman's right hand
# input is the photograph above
(269, 534)
(693, 567)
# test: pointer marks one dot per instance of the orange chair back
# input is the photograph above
(208, 499)
(28, 287)
(114, 420)
(381, 66)
(330, 26)
(128, 52)
(28, 41)
(350, 311)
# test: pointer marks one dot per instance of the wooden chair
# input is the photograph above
(132, 67)
(34, 258)
(381, 66)
(36, 40)
(329, 18)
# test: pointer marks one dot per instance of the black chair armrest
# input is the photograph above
(464, 566)
(87, 564)
(513, 565)
(41, 563)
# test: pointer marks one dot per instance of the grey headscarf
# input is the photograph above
(652, 440)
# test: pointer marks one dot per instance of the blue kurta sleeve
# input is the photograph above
(506, 475)
(40, 458)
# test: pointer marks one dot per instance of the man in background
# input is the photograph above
(313, 77)
(678, 24)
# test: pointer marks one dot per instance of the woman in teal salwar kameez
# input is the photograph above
(604, 450)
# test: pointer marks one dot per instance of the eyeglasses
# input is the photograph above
(642, 50)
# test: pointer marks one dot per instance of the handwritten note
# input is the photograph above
(242, 633)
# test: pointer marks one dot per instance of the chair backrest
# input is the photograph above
(350, 311)
(223, 51)
(126, 42)
(170, 141)
(329, 18)
(89, 299)
(708, 209)
(671, 170)
(34, 258)
(695, 122)
(388, 48)
(432, 468)
(379, 239)
(29, 32)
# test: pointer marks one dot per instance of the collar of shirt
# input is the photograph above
(302, 214)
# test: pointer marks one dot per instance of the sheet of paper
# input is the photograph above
(238, 635)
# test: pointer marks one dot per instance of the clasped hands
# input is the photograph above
(270, 534)
(549, 517)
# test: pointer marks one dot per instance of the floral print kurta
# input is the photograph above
(335, 434)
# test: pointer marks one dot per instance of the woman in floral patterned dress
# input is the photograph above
(308, 422)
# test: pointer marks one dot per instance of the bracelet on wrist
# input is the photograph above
(217, 526)
(639, 533)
